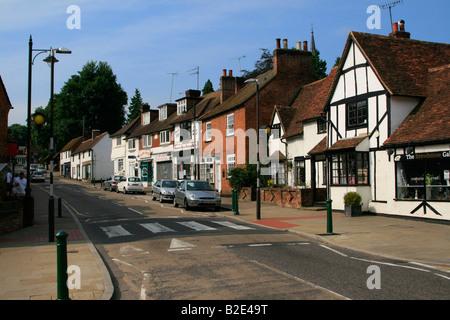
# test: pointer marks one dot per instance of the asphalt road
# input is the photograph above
(155, 251)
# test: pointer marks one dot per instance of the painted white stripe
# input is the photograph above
(390, 264)
(260, 245)
(156, 227)
(335, 251)
(196, 226)
(136, 211)
(115, 231)
(233, 225)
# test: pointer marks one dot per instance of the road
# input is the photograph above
(157, 252)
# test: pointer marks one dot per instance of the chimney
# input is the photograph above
(227, 85)
(299, 46)
(398, 30)
(285, 44)
(95, 133)
(305, 45)
(278, 43)
(294, 63)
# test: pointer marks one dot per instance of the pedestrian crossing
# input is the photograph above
(175, 227)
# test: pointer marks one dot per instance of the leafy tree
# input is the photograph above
(264, 64)
(19, 133)
(134, 110)
(319, 66)
(91, 99)
(208, 87)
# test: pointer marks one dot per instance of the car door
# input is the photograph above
(179, 194)
(157, 189)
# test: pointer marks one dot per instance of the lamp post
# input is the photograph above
(258, 171)
(51, 60)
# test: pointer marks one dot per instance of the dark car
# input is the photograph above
(164, 190)
(111, 183)
(196, 193)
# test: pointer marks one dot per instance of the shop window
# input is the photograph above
(424, 179)
(350, 168)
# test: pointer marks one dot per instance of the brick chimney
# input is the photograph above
(227, 85)
(95, 133)
(398, 30)
(293, 63)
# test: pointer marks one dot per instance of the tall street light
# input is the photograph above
(51, 60)
(258, 172)
(29, 211)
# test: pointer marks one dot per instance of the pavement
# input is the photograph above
(28, 259)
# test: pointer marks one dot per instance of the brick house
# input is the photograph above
(387, 132)
(229, 129)
(5, 106)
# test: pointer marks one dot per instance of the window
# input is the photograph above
(146, 118)
(278, 173)
(185, 130)
(230, 124)
(118, 141)
(181, 106)
(119, 165)
(350, 168)
(208, 131)
(300, 174)
(357, 114)
(164, 136)
(423, 176)
(321, 125)
(163, 113)
(231, 163)
(131, 144)
(275, 131)
(207, 170)
(147, 141)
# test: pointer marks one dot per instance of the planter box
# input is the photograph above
(353, 210)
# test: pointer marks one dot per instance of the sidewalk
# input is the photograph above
(28, 259)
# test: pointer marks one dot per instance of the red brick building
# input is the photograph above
(5, 106)
(225, 144)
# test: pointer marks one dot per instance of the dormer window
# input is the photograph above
(146, 118)
(163, 113)
(181, 106)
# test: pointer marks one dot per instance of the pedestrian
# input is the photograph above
(20, 184)
(8, 184)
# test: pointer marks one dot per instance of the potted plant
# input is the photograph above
(352, 201)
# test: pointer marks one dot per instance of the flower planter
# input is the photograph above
(353, 210)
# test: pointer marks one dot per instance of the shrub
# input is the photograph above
(352, 199)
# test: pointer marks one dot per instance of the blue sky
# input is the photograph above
(146, 40)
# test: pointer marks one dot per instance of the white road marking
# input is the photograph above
(335, 251)
(156, 227)
(260, 245)
(177, 245)
(136, 211)
(115, 231)
(196, 226)
(233, 225)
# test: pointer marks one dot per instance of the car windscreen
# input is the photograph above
(134, 179)
(199, 185)
(169, 184)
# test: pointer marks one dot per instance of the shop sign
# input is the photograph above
(423, 156)
(167, 156)
(144, 154)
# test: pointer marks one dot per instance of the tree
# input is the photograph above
(264, 64)
(19, 133)
(319, 66)
(208, 87)
(134, 109)
(91, 99)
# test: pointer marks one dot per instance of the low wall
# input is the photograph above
(285, 197)
(11, 216)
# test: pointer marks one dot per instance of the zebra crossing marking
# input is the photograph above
(115, 231)
(156, 227)
(196, 226)
(233, 225)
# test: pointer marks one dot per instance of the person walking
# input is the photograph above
(19, 184)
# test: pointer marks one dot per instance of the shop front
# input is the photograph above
(146, 168)
(164, 169)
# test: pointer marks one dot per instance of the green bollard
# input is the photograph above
(236, 206)
(233, 200)
(329, 217)
(61, 266)
(59, 207)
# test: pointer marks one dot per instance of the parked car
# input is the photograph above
(164, 190)
(37, 177)
(196, 193)
(130, 184)
(41, 169)
(111, 183)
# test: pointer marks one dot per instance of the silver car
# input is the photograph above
(111, 183)
(164, 190)
(196, 193)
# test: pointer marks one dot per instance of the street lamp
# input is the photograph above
(51, 60)
(258, 172)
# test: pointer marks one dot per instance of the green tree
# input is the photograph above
(264, 64)
(208, 87)
(134, 110)
(319, 66)
(91, 99)
(19, 133)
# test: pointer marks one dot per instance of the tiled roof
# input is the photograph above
(207, 102)
(72, 144)
(321, 147)
(309, 104)
(401, 64)
(156, 125)
(430, 120)
(127, 129)
(89, 144)
(345, 144)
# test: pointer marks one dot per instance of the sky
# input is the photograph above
(147, 41)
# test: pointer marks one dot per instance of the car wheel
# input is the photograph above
(117, 190)
(175, 204)
(160, 198)
(186, 205)
(124, 190)
(153, 196)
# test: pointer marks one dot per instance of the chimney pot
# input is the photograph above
(401, 25)
(395, 26)
(285, 43)
(230, 73)
(305, 45)
(299, 46)
(278, 43)
(224, 72)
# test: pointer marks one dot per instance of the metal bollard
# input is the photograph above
(236, 206)
(61, 266)
(329, 217)
(59, 207)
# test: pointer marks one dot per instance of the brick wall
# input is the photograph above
(11, 216)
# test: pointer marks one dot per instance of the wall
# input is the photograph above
(11, 216)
